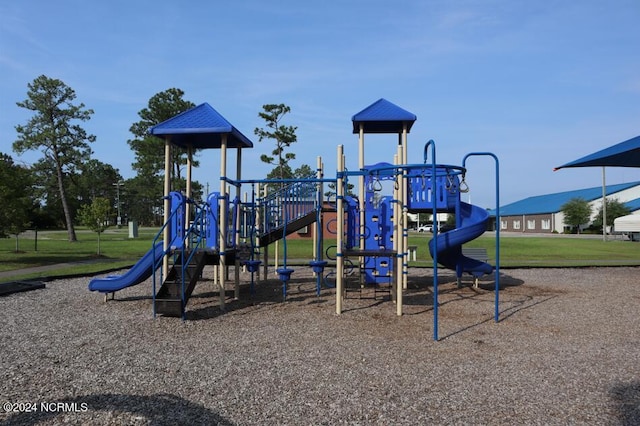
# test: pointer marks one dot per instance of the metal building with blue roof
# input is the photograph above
(542, 213)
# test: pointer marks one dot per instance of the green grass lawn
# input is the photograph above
(522, 252)
(53, 247)
(560, 251)
(118, 251)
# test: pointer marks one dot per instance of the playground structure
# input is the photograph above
(371, 230)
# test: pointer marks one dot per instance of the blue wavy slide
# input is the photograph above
(473, 224)
(137, 274)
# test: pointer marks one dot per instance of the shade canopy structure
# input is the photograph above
(200, 127)
(383, 116)
(624, 154)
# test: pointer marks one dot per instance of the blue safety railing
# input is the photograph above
(183, 243)
(193, 241)
(426, 190)
(173, 237)
(299, 198)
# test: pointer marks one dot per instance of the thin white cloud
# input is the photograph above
(15, 30)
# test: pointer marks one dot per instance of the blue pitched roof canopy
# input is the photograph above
(552, 203)
(201, 127)
(624, 154)
(633, 205)
(383, 117)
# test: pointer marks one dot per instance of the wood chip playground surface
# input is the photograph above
(566, 351)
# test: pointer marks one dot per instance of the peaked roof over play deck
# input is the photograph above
(201, 127)
(383, 116)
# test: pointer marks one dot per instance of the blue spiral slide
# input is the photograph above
(137, 274)
(473, 223)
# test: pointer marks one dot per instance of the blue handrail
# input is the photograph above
(195, 230)
(156, 240)
(193, 238)
(497, 283)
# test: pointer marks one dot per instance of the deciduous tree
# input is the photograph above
(96, 216)
(577, 212)
(143, 199)
(614, 209)
(15, 197)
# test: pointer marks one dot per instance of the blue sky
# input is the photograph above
(538, 83)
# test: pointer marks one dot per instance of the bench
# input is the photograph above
(477, 253)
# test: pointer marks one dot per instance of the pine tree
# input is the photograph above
(53, 131)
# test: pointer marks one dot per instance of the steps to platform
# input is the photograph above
(169, 300)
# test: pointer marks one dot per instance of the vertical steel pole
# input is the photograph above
(187, 213)
(604, 206)
(398, 239)
(223, 221)
(236, 293)
(434, 213)
(167, 203)
(405, 210)
(340, 229)
(361, 194)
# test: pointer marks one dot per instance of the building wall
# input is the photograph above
(548, 223)
(621, 196)
(304, 233)
(329, 218)
(535, 223)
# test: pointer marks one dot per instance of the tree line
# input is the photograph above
(577, 214)
(66, 186)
